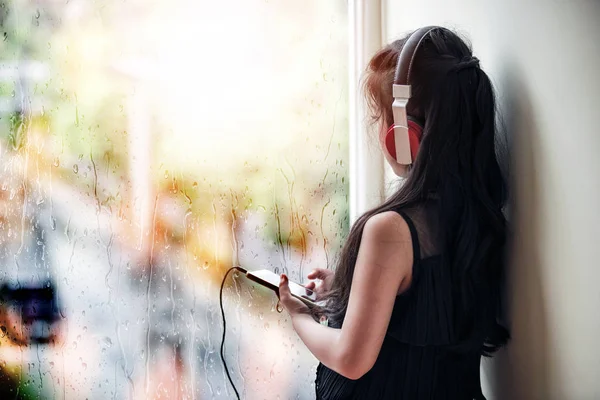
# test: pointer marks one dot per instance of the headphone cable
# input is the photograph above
(225, 328)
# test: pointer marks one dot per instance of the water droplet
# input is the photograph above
(75, 168)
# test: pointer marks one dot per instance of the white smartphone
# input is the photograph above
(271, 280)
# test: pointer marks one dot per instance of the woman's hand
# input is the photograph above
(291, 304)
(326, 278)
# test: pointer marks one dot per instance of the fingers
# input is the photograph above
(311, 285)
(284, 288)
(319, 273)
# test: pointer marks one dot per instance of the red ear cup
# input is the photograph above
(415, 133)
(390, 142)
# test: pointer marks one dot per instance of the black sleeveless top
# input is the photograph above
(415, 361)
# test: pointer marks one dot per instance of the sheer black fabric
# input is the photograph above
(416, 360)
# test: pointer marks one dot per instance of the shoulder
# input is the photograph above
(387, 226)
(386, 242)
(385, 255)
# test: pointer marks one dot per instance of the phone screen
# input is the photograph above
(271, 280)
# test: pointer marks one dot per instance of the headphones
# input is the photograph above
(403, 138)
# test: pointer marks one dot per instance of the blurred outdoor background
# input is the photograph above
(146, 146)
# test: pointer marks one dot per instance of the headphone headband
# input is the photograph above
(401, 92)
(407, 54)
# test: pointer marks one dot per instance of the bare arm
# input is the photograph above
(383, 268)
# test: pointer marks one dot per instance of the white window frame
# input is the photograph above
(366, 165)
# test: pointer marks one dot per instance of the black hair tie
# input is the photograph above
(466, 62)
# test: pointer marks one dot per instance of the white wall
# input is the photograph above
(544, 57)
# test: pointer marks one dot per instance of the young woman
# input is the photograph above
(414, 301)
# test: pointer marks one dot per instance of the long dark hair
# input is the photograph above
(456, 161)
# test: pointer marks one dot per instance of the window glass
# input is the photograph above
(145, 148)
